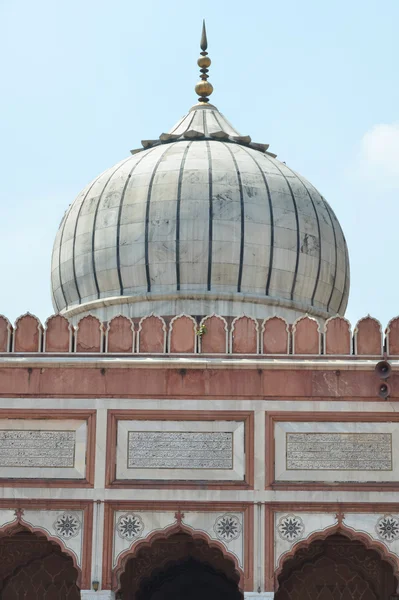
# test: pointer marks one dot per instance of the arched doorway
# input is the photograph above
(31, 567)
(179, 567)
(336, 568)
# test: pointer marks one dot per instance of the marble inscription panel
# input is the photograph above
(35, 448)
(339, 451)
(180, 450)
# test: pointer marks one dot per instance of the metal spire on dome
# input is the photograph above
(204, 88)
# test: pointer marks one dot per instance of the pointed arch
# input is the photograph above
(339, 528)
(244, 335)
(151, 335)
(58, 334)
(216, 336)
(28, 332)
(306, 336)
(367, 337)
(337, 336)
(274, 337)
(164, 535)
(183, 334)
(19, 525)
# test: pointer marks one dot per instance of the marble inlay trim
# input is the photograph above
(180, 450)
(339, 451)
(34, 448)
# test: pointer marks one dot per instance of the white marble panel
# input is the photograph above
(148, 522)
(39, 448)
(181, 450)
(227, 527)
(381, 527)
(7, 516)
(332, 451)
(306, 524)
(65, 525)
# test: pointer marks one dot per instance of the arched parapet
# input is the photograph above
(151, 335)
(183, 335)
(119, 335)
(367, 337)
(213, 335)
(20, 525)
(339, 528)
(89, 334)
(306, 336)
(337, 336)
(28, 333)
(158, 536)
(58, 334)
(392, 337)
(6, 330)
(244, 335)
(274, 337)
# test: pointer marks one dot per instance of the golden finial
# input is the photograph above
(203, 87)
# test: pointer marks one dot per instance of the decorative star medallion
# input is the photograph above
(67, 525)
(129, 526)
(290, 528)
(227, 527)
(387, 528)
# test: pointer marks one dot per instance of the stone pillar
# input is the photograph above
(258, 595)
(101, 595)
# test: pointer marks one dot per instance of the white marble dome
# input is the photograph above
(200, 220)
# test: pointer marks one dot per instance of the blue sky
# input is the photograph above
(82, 82)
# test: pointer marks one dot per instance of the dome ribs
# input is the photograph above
(344, 294)
(297, 228)
(336, 256)
(269, 198)
(147, 217)
(93, 238)
(178, 204)
(242, 242)
(210, 227)
(318, 232)
(74, 240)
(205, 220)
(118, 226)
(62, 228)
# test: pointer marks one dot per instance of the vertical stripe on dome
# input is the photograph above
(204, 122)
(318, 233)
(336, 255)
(93, 237)
(242, 217)
(64, 220)
(147, 216)
(178, 203)
(274, 163)
(74, 237)
(209, 153)
(345, 276)
(269, 197)
(118, 225)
